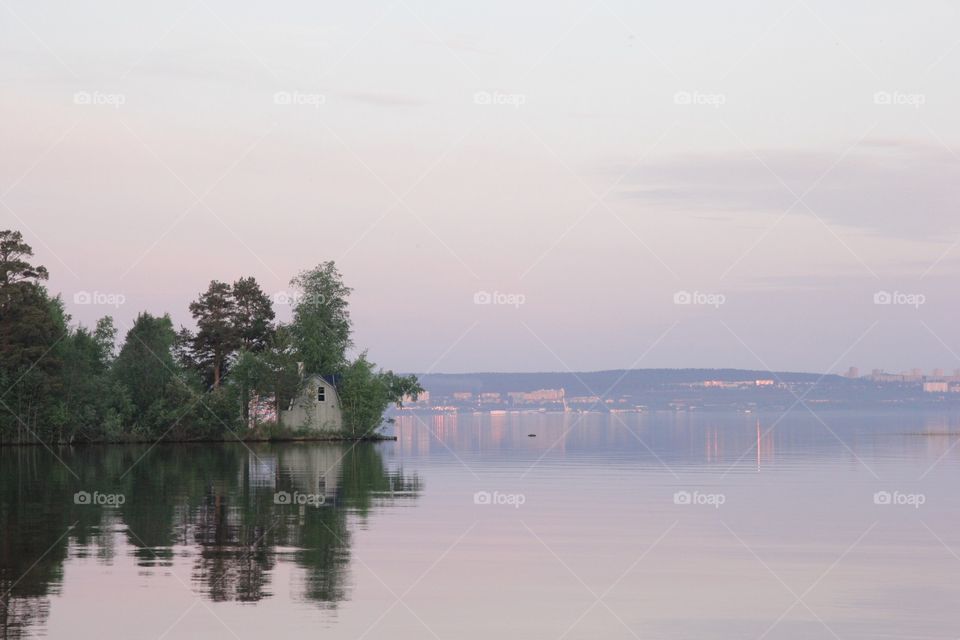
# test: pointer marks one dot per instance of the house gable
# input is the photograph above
(315, 408)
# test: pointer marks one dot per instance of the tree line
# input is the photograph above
(65, 383)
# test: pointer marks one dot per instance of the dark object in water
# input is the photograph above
(531, 435)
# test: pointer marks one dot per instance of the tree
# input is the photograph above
(26, 323)
(216, 338)
(31, 326)
(280, 362)
(271, 372)
(253, 315)
(365, 394)
(229, 318)
(14, 268)
(321, 319)
(62, 384)
(183, 349)
(145, 368)
(86, 395)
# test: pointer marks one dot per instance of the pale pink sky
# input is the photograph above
(781, 162)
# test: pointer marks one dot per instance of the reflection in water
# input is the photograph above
(288, 526)
(231, 507)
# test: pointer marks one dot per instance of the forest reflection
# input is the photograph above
(236, 511)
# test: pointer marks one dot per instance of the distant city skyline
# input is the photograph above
(537, 188)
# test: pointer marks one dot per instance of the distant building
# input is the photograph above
(936, 387)
(721, 384)
(905, 377)
(853, 373)
(463, 396)
(546, 395)
(583, 399)
(490, 397)
(764, 383)
(536, 397)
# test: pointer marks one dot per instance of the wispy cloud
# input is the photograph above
(890, 187)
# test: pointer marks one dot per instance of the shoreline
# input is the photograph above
(253, 440)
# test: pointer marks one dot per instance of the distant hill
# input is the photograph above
(599, 382)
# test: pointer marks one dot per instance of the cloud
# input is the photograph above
(890, 187)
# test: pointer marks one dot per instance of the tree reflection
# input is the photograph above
(236, 511)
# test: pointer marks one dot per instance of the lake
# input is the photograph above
(659, 525)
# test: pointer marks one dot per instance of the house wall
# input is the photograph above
(307, 412)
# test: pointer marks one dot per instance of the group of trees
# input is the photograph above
(64, 383)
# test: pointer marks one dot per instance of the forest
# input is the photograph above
(64, 383)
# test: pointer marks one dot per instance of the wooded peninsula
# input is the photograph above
(64, 383)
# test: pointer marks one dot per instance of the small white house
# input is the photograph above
(316, 408)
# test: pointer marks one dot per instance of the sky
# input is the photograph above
(507, 186)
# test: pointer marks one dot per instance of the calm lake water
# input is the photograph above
(661, 525)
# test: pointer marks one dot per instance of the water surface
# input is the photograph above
(660, 525)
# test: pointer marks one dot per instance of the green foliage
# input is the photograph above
(229, 318)
(86, 390)
(252, 315)
(216, 336)
(321, 319)
(146, 370)
(365, 393)
(66, 384)
(14, 268)
(31, 328)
